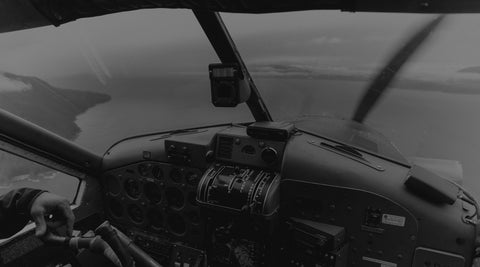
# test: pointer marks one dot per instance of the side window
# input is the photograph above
(17, 172)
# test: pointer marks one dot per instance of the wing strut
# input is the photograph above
(216, 31)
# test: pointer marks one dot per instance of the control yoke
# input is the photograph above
(108, 241)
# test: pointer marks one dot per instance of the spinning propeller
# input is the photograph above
(382, 81)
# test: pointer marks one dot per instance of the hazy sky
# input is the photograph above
(149, 42)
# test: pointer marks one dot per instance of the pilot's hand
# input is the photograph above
(476, 262)
(58, 208)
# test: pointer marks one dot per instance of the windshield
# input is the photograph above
(98, 80)
(320, 63)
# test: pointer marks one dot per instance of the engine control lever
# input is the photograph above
(95, 244)
(142, 258)
(110, 236)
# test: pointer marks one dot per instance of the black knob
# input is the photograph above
(269, 155)
(209, 156)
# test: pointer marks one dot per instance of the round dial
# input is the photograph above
(176, 224)
(269, 155)
(132, 188)
(144, 169)
(176, 175)
(192, 178)
(135, 213)
(175, 198)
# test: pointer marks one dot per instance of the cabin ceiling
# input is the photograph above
(24, 14)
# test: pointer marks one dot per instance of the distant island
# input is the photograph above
(475, 69)
(54, 109)
(457, 85)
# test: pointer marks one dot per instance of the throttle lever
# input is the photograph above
(137, 253)
(110, 236)
(94, 244)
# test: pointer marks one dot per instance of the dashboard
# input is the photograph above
(273, 195)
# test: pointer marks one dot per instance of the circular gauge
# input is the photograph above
(192, 199)
(192, 178)
(176, 224)
(132, 187)
(176, 175)
(115, 207)
(269, 155)
(175, 198)
(193, 217)
(144, 169)
(157, 172)
(135, 213)
(152, 192)
(113, 184)
(155, 218)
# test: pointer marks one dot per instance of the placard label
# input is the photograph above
(393, 220)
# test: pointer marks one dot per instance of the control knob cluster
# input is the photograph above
(269, 155)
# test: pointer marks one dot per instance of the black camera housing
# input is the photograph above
(228, 85)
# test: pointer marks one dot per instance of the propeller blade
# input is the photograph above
(382, 81)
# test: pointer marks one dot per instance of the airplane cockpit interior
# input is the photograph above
(310, 191)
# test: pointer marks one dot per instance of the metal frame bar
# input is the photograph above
(33, 157)
(216, 31)
(34, 143)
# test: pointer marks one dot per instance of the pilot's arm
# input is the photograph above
(19, 206)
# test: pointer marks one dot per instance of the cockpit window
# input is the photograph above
(17, 172)
(98, 80)
(318, 64)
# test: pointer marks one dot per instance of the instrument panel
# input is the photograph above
(234, 199)
(378, 229)
(155, 196)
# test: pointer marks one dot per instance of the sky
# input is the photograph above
(151, 42)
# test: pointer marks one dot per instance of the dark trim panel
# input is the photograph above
(18, 15)
(21, 14)
(32, 138)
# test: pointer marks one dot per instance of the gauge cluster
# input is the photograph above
(221, 197)
(191, 192)
(155, 196)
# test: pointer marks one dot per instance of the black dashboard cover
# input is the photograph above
(429, 185)
(271, 130)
